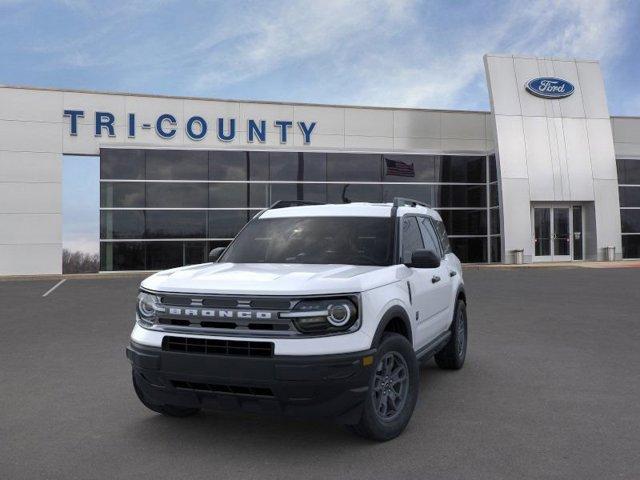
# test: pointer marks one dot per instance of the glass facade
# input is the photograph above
(629, 190)
(165, 208)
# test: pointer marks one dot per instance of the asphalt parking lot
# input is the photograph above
(551, 389)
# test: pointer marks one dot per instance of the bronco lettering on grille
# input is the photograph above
(218, 313)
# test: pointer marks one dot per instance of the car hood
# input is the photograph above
(271, 279)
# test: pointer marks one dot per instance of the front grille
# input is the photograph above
(209, 346)
(229, 389)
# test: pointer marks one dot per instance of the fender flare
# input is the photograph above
(395, 311)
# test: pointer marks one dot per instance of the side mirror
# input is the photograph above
(214, 254)
(424, 259)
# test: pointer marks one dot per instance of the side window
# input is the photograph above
(442, 234)
(411, 238)
(430, 236)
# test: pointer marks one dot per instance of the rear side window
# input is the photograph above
(442, 234)
(430, 236)
(411, 238)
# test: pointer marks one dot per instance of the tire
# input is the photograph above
(452, 356)
(168, 410)
(382, 423)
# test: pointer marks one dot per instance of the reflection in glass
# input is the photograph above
(177, 195)
(226, 223)
(125, 164)
(176, 224)
(473, 250)
(122, 256)
(628, 171)
(163, 255)
(356, 167)
(228, 195)
(561, 235)
(578, 239)
(128, 195)
(350, 192)
(465, 222)
(496, 249)
(176, 165)
(458, 196)
(121, 224)
(630, 221)
(542, 230)
(630, 196)
(631, 246)
(228, 165)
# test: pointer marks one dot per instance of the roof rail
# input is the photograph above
(292, 203)
(408, 202)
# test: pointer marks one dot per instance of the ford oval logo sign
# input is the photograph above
(549, 87)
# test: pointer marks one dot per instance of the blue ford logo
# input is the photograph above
(549, 87)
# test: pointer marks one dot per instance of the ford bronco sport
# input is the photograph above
(312, 310)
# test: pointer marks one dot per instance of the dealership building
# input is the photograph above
(546, 175)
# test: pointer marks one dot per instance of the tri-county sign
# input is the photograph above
(196, 127)
(549, 87)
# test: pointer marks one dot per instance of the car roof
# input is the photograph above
(355, 209)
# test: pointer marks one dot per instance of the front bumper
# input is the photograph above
(323, 386)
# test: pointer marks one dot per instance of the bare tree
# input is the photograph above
(80, 262)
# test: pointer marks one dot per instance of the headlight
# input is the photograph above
(324, 316)
(148, 306)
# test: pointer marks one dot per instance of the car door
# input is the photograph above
(445, 286)
(425, 284)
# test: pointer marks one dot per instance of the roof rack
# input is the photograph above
(292, 203)
(408, 202)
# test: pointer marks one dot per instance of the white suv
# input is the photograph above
(321, 310)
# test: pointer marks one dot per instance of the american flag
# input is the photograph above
(398, 168)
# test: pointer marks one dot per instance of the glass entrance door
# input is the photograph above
(557, 233)
(561, 235)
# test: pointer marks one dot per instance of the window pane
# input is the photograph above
(176, 165)
(494, 199)
(631, 246)
(495, 220)
(473, 250)
(628, 171)
(630, 196)
(461, 169)
(354, 193)
(228, 195)
(429, 236)
(411, 238)
(258, 166)
(177, 195)
(315, 167)
(129, 195)
(409, 168)
(121, 224)
(122, 163)
(163, 255)
(493, 169)
(630, 221)
(458, 196)
(465, 222)
(285, 166)
(353, 167)
(176, 224)
(122, 256)
(228, 165)
(195, 252)
(415, 192)
(258, 195)
(226, 223)
(444, 238)
(496, 249)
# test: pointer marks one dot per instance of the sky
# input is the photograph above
(400, 53)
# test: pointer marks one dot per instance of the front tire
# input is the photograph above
(393, 390)
(168, 410)
(452, 356)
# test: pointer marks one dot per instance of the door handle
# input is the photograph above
(435, 279)
(453, 273)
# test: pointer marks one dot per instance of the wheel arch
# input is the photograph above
(395, 319)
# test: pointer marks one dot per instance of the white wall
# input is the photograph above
(558, 150)
(34, 134)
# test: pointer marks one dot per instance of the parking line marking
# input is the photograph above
(54, 287)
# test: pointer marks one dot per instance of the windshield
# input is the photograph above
(320, 240)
